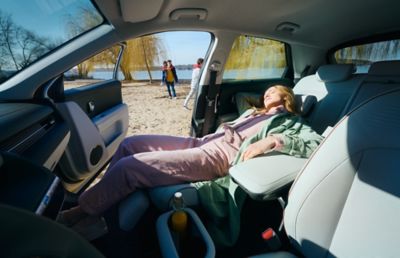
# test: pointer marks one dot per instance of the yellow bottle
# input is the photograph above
(179, 223)
(179, 217)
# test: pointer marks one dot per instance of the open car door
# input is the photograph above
(253, 65)
(98, 122)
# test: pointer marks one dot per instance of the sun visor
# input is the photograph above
(140, 10)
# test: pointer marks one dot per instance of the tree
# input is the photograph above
(368, 53)
(19, 47)
(76, 25)
(255, 53)
(142, 53)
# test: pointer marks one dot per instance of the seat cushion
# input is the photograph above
(131, 209)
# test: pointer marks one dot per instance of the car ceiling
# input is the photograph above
(323, 23)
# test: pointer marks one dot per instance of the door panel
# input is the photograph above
(99, 122)
(96, 98)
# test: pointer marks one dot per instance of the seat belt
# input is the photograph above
(211, 99)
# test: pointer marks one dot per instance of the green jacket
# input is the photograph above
(222, 199)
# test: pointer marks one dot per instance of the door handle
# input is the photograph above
(91, 106)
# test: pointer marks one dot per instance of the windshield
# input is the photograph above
(31, 29)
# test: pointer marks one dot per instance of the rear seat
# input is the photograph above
(382, 76)
(333, 86)
(341, 98)
(337, 91)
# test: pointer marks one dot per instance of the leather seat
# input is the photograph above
(345, 202)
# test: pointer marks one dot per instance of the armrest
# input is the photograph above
(265, 176)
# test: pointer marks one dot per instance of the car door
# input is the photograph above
(38, 43)
(253, 64)
(93, 108)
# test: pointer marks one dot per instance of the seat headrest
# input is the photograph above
(385, 68)
(304, 103)
(334, 72)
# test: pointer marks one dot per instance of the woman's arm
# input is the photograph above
(299, 144)
(260, 147)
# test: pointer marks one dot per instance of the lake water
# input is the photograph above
(187, 74)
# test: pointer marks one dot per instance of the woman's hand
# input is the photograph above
(258, 148)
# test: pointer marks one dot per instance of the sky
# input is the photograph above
(50, 15)
(185, 47)
(182, 47)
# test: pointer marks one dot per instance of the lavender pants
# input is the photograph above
(146, 161)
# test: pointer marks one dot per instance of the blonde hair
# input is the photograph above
(289, 101)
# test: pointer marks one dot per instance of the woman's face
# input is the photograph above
(272, 98)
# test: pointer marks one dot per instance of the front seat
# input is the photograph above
(345, 202)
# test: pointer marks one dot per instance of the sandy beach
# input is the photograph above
(151, 111)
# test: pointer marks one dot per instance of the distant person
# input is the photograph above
(170, 79)
(164, 72)
(194, 84)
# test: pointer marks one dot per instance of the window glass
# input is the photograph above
(31, 29)
(363, 55)
(255, 58)
(143, 58)
(95, 69)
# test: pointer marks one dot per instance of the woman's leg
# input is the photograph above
(191, 93)
(149, 143)
(168, 88)
(129, 147)
(173, 89)
(149, 169)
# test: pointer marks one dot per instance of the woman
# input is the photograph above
(170, 79)
(146, 161)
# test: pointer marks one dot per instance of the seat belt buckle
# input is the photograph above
(271, 239)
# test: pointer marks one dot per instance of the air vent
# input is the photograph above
(288, 27)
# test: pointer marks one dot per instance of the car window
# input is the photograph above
(255, 58)
(144, 56)
(363, 55)
(142, 59)
(95, 69)
(31, 29)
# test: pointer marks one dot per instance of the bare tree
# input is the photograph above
(19, 47)
(7, 32)
(77, 25)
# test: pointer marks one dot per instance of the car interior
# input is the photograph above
(342, 60)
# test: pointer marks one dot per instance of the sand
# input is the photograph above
(151, 111)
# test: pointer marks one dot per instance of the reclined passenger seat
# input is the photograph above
(346, 200)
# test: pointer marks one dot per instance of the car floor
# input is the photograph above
(142, 241)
